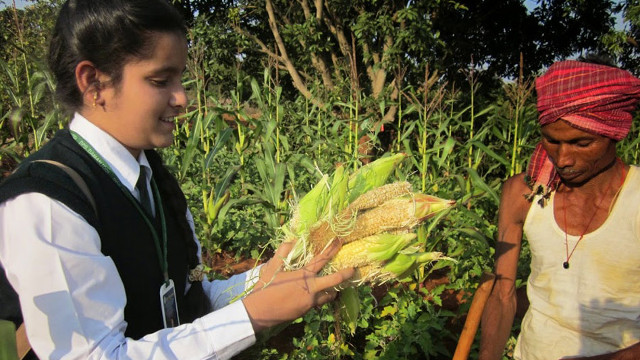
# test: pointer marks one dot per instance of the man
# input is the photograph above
(579, 207)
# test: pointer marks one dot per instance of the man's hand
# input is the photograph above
(281, 296)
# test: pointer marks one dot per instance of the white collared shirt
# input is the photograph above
(71, 295)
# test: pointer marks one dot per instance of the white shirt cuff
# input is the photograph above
(229, 330)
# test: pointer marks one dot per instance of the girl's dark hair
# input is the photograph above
(109, 33)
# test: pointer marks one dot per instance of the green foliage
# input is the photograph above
(623, 41)
(29, 114)
(404, 323)
(410, 325)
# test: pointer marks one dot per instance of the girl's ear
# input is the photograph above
(88, 81)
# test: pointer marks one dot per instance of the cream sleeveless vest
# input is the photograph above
(594, 306)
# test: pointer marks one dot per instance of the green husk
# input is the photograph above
(310, 207)
(373, 174)
(349, 306)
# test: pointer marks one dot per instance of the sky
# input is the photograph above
(19, 3)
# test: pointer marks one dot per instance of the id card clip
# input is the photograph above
(169, 305)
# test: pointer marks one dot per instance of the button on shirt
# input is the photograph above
(72, 297)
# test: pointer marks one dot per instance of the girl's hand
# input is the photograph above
(281, 296)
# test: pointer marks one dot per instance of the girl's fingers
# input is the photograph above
(329, 282)
(281, 253)
(317, 263)
(275, 264)
(325, 296)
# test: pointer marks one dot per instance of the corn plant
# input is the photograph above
(521, 112)
(431, 102)
(248, 161)
(629, 148)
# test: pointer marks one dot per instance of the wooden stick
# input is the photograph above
(22, 342)
(473, 317)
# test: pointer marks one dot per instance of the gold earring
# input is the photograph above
(95, 98)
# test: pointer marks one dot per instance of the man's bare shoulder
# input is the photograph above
(516, 186)
(514, 197)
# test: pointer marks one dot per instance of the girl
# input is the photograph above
(115, 281)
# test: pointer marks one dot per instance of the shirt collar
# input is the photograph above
(123, 164)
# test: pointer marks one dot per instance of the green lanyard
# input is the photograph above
(162, 252)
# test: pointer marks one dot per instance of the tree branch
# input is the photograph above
(262, 45)
(298, 83)
(336, 31)
(317, 61)
(380, 73)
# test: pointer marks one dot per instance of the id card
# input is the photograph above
(169, 305)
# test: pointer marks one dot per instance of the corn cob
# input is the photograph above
(380, 258)
(400, 267)
(318, 202)
(211, 207)
(373, 220)
(373, 175)
(375, 197)
(376, 248)
(395, 215)
(320, 235)
(403, 212)
(367, 274)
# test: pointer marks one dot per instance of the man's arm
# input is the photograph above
(499, 312)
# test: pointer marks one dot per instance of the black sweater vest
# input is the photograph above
(124, 235)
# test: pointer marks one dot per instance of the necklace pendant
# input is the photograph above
(565, 264)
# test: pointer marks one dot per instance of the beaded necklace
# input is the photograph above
(564, 210)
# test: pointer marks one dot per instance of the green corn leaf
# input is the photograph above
(214, 207)
(349, 305)
(490, 152)
(309, 208)
(479, 183)
(338, 191)
(400, 264)
(222, 139)
(446, 151)
(373, 175)
(389, 245)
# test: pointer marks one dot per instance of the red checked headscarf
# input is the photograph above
(594, 98)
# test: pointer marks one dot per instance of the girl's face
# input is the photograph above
(139, 111)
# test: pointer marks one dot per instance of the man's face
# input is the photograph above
(577, 155)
